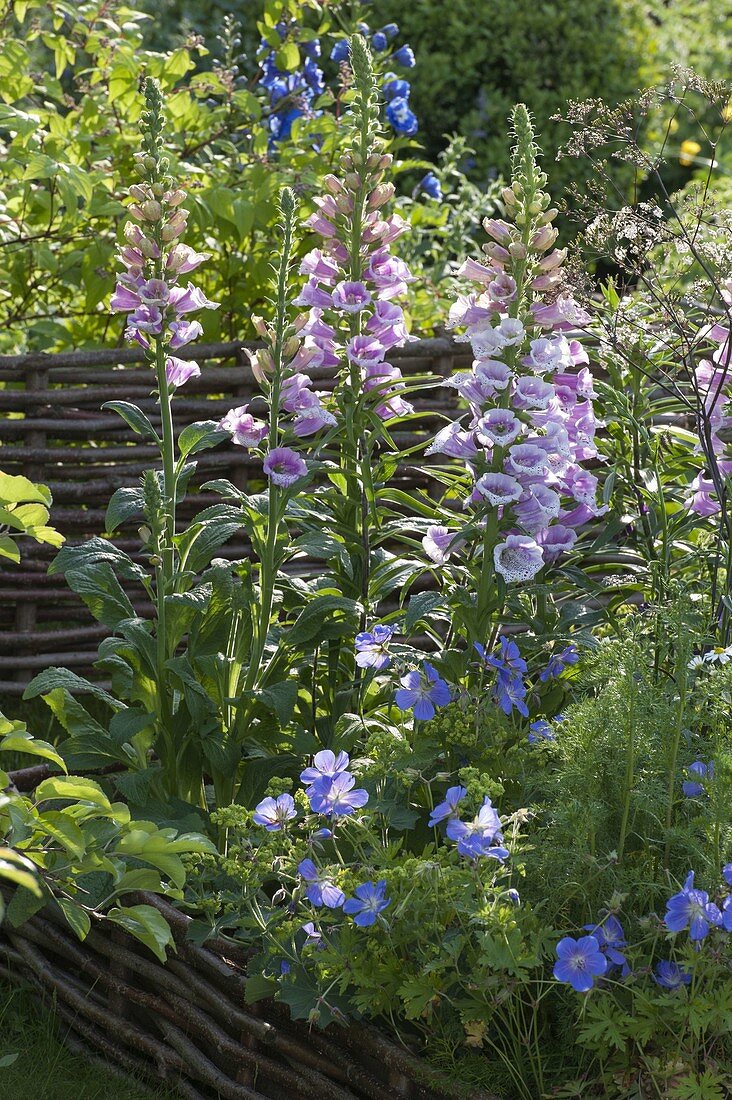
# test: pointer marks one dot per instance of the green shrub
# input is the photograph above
(475, 61)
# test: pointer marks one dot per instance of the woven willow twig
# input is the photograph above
(187, 1023)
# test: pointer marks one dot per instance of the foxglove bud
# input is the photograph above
(517, 249)
(544, 238)
(353, 181)
(380, 196)
(290, 347)
(260, 327)
(152, 211)
(175, 198)
(333, 184)
(508, 196)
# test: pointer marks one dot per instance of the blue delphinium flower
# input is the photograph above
(325, 765)
(422, 692)
(477, 838)
(691, 909)
(670, 975)
(691, 787)
(371, 647)
(579, 962)
(540, 730)
(610, 936)
(340, 51)
(395, 88)
(727, 915)
(274, 813)
(448, 808)
(558, 662)
(320, 890)
(404, 56)
(370, 900)
(430, 185)
(401, 117)
(727, 873)
(336, 796)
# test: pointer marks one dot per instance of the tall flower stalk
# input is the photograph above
(150, 290)
(530, 424)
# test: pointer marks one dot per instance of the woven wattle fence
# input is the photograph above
(186, 1024)
(53, 430)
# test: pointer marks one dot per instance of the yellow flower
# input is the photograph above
(689, 150)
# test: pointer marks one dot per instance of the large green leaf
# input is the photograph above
(147, 925)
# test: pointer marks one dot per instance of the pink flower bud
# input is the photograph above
(517, 250)
(353, 181)
(333, 184)
(260, 326)
(544, 238)
(380, 196)
(152, 211)
(497, 229)
(553, 260)
(175, 198)
(496, 252)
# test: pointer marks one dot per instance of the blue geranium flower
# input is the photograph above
(610, 936)
(404, 56)
(558, 662)
(370, 900)
(727, 873)
(336, 796)
(274, 813)
(325, 765)
(371, 647)
(697, 771)
(691, 909)
(422, 692)
(477, 838)
(431, 186)
(579, 962)
(540, 730)
(320, 890)
(670, 975)
(448, 808)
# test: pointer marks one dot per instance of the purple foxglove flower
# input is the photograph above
(669, 975)
(452, 440)
(538, 506)
(183, 332)
(295, 392)
(692, 909)
(499, 427)
(365, 350)
(499, 489)
(422, 693)
(186, 299)
(312, 417)
(702, 500)
(511, 331)
(314, 296)
(320, 266)
(388, 273)
(274, 813)
(449, 807)
(562, 314)
(518, 559)
(476, 838)
(502, 289)
(320, 890)
(146, 319)
(326, 765)
(387, 324)
(372, 647)
(549, 354)
(154, 292)
(468, 310)
(370, 900)
(179, 371)
(532, 393)
(393, 406)
(182, 259)
(246, 430)
(440, 543)
(284, 466)
(527, 459)
(336, 796)
(351, 297)
(124, 299)
(579, 962)
(582, 485)
(555, 541)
